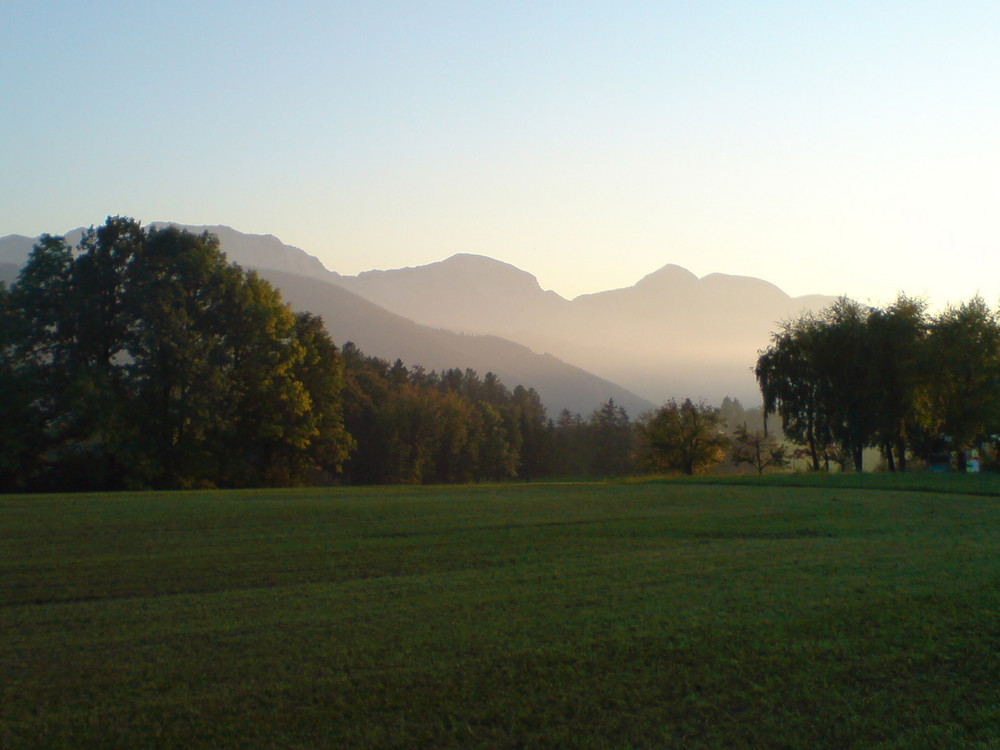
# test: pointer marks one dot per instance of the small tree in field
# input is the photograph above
(759, 450)
(686, 437)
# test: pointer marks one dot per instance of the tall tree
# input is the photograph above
(73, 327)
(144, 358)
(794, 385)
(321, 372)
(610, 441)
(897, 369)
(22, 437)
(179, 362)
(536, 438)
(845, 357)
(964, 373)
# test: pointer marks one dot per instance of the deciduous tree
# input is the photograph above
(757, 449)
(686, 436)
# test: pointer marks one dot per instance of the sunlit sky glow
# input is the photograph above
(828, 147)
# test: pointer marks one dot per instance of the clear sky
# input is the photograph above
(830, 147)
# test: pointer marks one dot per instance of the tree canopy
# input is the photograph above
(686, 437)
(143, 358)
(897, 379)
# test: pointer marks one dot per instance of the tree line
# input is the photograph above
(142, 358)
(895, 378)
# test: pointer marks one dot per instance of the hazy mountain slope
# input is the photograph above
(9, 272)
(671, 335)
(469, 293)
(674, 335)
(304, 282)
(377, 332)
(260, 250)
(250, 250)
(15, 248)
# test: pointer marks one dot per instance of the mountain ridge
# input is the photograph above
(669, 335)
(381, 333)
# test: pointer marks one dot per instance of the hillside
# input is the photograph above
(383, 334)
(670, 335)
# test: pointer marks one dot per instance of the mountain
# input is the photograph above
(306, 284)
(380, 333)
(468, 293)
(671, 335)
(15, 248)
(259, 250)
(250, 250)
(9, 272)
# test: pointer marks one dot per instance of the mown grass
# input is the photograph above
(688, 615)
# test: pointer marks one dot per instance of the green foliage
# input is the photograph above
(674, 614)
(964, 373)
(793, 384)
(611, 440)
(415, 427)
(685, 437)
(897, 363)
(144, 358)
(856, 377)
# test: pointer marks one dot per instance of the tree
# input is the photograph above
(570, 449)
(793, 384)
(896, 375)
(21, 428)
(536, 438)
(963, 373)
(817, 376)
(845, 357)
(181, 362)
(610, 440)
(857, 377)
(144, 358)
(71, 331)
(758, 449)
(686, 437)
(321, 371)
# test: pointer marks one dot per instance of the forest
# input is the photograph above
(142, 358)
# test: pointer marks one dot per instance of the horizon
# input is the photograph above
(829, 149)
(932, 304)
(528, 271)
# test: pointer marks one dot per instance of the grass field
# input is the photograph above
(864, 614)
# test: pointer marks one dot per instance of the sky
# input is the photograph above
(828, 147)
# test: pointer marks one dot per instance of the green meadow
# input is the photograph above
(835, 613)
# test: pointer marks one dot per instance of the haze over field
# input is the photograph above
(832, 148)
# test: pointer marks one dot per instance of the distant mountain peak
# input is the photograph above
(468, 282)
(467, 267)
(748, 283)
(671, 274)
(476, 259)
